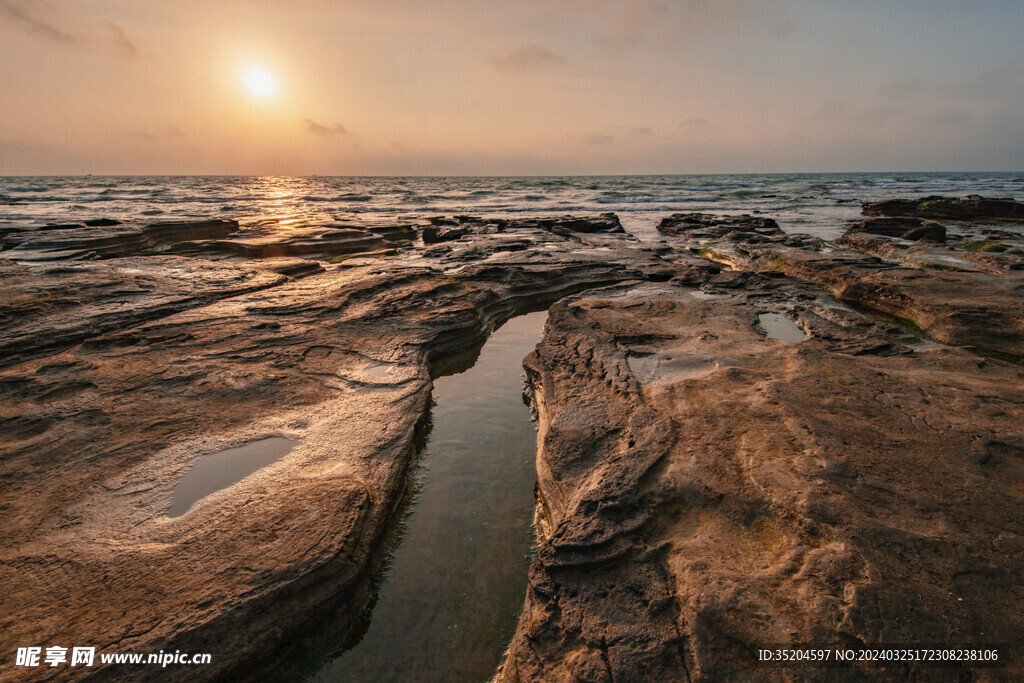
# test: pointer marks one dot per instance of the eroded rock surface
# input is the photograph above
(907, 228)
(706, 490)
(107, 239)
(973, 208)
(119, 372)
(956, 294)
(704, 486)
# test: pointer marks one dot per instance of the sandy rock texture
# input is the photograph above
(704, 485)
(706, 490)
(118, 373)
(967, 292)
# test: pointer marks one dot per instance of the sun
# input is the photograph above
(259, 81)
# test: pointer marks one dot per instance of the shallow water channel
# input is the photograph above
(448, 603)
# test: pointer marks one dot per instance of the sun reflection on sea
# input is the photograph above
(283, 201)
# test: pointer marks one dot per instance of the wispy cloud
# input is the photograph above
(43, 19)
(121, 40)
(599, 139)
(162, 133)
(320, 129)
(526, 58)
(664, 21)
(32, 17)
(695, 126)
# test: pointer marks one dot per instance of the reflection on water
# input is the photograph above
(217, 471)
(780, 327)
(379, 369)
(449, 603)
(818, 204)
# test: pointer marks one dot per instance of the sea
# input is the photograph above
(818, 204)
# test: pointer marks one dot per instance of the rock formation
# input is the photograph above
(703, 486)
(973, 208)
(706, 491)
(119, 371)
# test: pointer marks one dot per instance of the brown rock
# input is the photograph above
(118, 373)
(704, 226)
(704, 491)
(906, 228)
(103, 239)
(945, 294)
(704, 487)
(973, 208)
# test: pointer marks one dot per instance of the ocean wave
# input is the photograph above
(656, 200)
(65, 199)
(46, 199)
(28, 188)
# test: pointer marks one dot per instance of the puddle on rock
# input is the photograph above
(704, 296)
(217, 471)
(670, 367)
(448, 603)
(378, 369)
(780, 327)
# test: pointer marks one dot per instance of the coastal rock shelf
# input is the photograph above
(967, 292)
(973, 208)
(704, 486)
(120, 373)
(862, 486)
(218, 239)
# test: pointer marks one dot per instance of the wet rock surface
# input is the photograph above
(906, 228)
(703, 486)
(973, 208)
(703, 225)
(957, 293)
(101, 238)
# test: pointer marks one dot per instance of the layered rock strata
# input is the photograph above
(704, 485)
(956, 294)
(973, 208)
(706, 490)
(120, 372)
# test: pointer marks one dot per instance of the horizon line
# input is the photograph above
(486, 175)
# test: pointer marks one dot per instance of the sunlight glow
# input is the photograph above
(259, 81)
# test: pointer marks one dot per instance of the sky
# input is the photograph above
(533, 87)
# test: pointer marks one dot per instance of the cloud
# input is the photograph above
(594, 139)
(121, 40)
(162, 133)
(600, 139)
(28, 15)
(43, 19)
(668, 22)
(527, 58)
(695, 126)
(320, 129)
